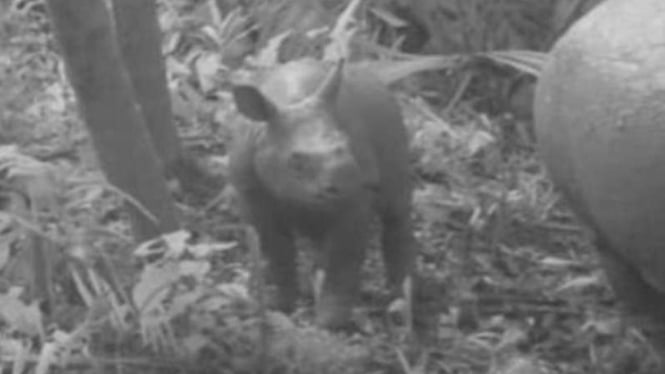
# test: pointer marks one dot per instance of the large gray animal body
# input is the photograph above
(331, 151)
(600, 121)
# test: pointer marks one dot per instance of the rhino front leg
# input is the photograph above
(344, 249)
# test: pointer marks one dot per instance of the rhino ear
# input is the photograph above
(329, 88)
(253, 104)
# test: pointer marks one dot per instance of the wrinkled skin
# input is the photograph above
(600, 122)
(328, 150)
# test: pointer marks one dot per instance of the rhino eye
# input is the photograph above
(340, 151)
(299, 162)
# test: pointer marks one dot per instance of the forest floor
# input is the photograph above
(508, 280)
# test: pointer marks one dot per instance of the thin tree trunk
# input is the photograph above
(109, 108)
(140, 42)
(139, 38)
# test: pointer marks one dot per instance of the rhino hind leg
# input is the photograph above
(644, 304)
(398, 246)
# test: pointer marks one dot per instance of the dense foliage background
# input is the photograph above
(509, 281)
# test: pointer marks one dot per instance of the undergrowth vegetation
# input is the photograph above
(509, 282)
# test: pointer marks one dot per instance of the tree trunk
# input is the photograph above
(140, 42)
(110, 111)
(139, 38)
